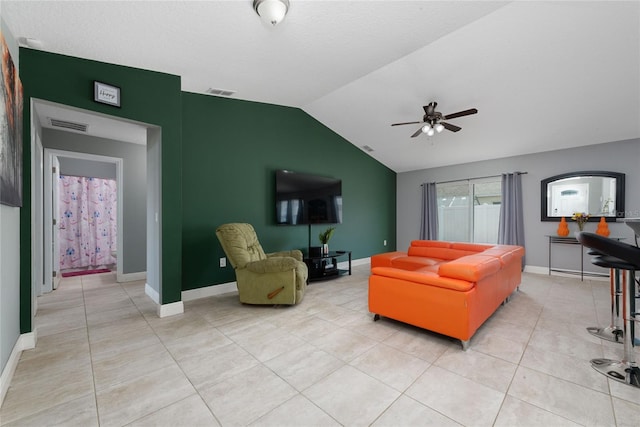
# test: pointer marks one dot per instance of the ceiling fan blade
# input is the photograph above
(449, 126)
(405, 123)
(418, 132)
(460, 114)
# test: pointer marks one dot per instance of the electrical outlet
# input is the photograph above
(384, 242)
(223, 262)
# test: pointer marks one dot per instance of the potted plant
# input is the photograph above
(324, 237)
(581, 218)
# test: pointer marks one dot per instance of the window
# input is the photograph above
(288, 211)
(469, 210)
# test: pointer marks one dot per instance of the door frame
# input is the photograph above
(153, 287)
(50, 156)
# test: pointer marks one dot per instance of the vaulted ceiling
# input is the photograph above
(543, 75)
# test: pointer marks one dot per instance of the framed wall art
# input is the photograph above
(10, 130)
(106, 94)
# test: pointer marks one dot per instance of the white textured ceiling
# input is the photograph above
(543, 75)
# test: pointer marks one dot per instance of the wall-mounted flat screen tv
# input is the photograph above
(307, 199)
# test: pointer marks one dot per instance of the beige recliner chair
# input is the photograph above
(276, 278)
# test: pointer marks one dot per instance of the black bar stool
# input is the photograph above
(614, 332)
(625, 370)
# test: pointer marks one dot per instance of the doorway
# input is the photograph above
(100, 126)
(53, 261)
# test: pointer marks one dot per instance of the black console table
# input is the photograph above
(571, 240)
(323, 267)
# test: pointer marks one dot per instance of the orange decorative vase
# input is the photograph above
(603, 228)
(563, 228)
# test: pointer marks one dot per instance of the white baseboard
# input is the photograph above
(163, 310)
(166, 310)
(152, 293)
(536, 269)
(224, 288)
(209, 291)
(354, 262)
(24, 342)
(131, 277)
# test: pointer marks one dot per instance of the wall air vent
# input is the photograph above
(80, 127)
(220, 92)
(367, 148)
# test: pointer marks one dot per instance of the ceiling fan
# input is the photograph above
(433, 120)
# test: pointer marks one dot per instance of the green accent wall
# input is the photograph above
(146, 96)
(231, 150)
(219, 158)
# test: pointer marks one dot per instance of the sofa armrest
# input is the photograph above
(273, 265)
(423, 278)
(295, 254)
(385, 259)
(470, 267)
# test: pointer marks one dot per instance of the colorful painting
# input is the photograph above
(10, 131)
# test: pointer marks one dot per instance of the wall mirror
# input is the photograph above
(598, 193)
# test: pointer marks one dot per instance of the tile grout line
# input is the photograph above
(177, 363)
(506, 392)
(603, 348)
(553, 292)
(263, 364)
(179, 366)
(553, 376)
(93, 374)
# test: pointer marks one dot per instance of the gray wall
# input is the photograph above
(134, 251)
(9, 255)
(621, 156)
(87, 168)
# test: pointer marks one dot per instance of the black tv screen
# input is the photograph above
(307, 199)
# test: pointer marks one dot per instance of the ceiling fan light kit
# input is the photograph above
(433, 120)
(428, 130)
(271, 11)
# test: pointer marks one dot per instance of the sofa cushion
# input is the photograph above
(438, 253)
(470, 267)
(425, 278)
(386, 259)
(505, 256)
(430, 268)
(431, 243)
(413, 262)
(471, 247)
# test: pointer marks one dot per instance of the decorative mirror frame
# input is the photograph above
(545, 194)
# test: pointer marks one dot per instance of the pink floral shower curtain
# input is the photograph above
(87, 228)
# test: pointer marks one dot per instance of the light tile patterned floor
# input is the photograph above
(104, 358)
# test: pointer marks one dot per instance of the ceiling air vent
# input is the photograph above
(220, 92)
(80, 127)
(367, 148)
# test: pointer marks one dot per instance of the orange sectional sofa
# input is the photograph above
(446, 287)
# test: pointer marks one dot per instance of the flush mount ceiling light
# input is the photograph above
(271, 11)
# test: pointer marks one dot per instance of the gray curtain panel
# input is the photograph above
(511, 225)
(429, 214)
